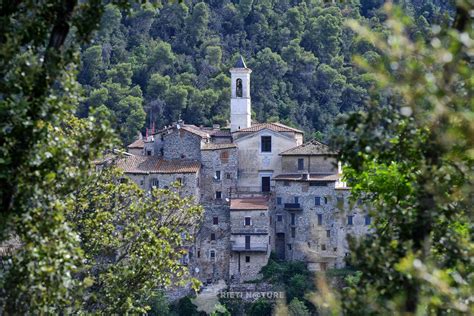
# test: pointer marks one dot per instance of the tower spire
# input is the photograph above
(240, 63)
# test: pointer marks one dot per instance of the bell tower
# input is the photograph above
(240, 110)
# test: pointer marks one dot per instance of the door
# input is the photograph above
(280, 246)
(247, 242)
(265, 184)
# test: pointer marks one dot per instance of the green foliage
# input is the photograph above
(409, 156)
(297, 308)
(260, 307)
(300, 52)
(45, 153)
(133, 241)
(293, 276)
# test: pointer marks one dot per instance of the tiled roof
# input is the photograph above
(216, 146)
(312, 177)
(154, 164)
(195, 130)
(313, 148)
(254, 203)
(139, 143)
(276, 127)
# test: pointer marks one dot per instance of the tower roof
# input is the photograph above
(240, 63)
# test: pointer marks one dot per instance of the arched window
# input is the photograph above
(238, 88)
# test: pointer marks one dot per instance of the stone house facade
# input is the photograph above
(262, 188)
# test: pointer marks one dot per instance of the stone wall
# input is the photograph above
(245, 265)
(190, 182)
(314, 164)
(209, 269)
(181, 144)
(225, 161)
(317, 233)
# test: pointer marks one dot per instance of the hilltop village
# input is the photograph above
(263, 190)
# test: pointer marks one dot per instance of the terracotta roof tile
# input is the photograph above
(312, 148)
(154, 164)
(276, 127)
(195, 130)
(139, 143)
(255, 203)
(217, 146)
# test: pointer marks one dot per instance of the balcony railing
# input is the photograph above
(250, 231)
(251, 247)
(249, 191)
(292, 206)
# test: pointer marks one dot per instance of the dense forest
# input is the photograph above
(77, 241)
(159, 64)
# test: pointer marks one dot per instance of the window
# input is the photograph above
(368, 220)
(293, 219)
(238, 88)
(162, 152)
(248, 221)
(328, 233)
(286, 183)
(227, 175)
(215, 220)
(154, 183)
(300, 163)
(317, 200)
(320, 219)
(247, 258)
(247, 242)
(325, 200)
(212, 254)
(278, 200)
(293, 232)
(141, 182)
(224, 156)
(289, 246)
(323, 247)
(218, 195)
(350, 219)
(217, 175)
(279, 218)
(318, 184)
(297, 199)
(266, 144)
(179, 180)
(213, 236)
(148, 152)
(199, 254)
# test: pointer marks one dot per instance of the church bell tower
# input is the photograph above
(240, 110)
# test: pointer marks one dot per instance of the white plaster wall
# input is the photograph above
(252, 160)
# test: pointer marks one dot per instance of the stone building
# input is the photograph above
(262, 188)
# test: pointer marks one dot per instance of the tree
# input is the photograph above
(409, 156)
(297, 308)
(45, 152)
(133, 241)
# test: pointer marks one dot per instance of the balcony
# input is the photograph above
(249, 191)
(292, 206)
(248, 230)
(250, 248)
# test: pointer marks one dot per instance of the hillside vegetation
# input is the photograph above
(160, 64)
